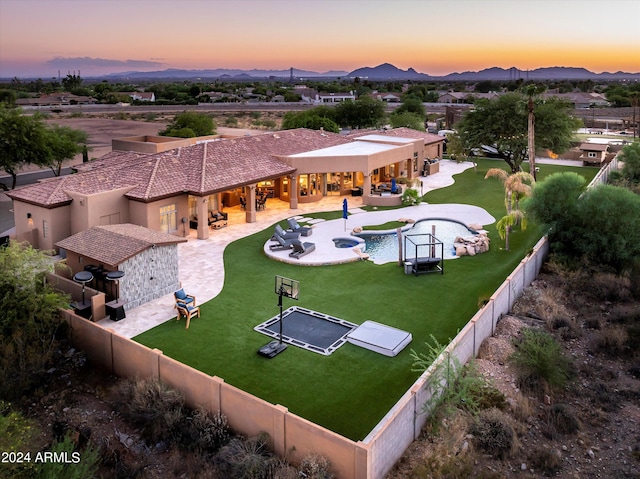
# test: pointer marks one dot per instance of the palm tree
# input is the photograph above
(531, 145)
(516, 186)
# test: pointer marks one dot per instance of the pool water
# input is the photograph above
(345, 243)
(383, 248)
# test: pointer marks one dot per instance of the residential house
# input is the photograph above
(141, 95)
(465, 96)
(56, 99)
(334, 97)
(166, 186)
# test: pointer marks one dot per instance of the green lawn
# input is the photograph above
(351, 390)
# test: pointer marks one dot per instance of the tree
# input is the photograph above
(24, 141)
(30, 319)
(406, 119)
(554, 204)
(515, 188)
(312, 119)
(630, 155)
(362, 113)
(412, 104)
(502, 123)
(63, 143)
(189, 124)
(609, 234)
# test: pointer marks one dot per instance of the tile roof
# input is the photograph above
(112, 245)
(200, 170)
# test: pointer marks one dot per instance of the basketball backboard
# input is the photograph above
(288, 288)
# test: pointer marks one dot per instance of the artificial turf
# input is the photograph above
(349, 391)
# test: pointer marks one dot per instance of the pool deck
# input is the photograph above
(201, 261)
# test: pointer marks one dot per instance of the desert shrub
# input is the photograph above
(452, 385)
(560, 419)
(315, 466)
(231, 122)
(611, 341)
(546, 303)
(202, 431)
(247, 459)
(524, 409)
(493, 433)
(539, 361)
(152, 406)
(548, 461)
(604, 397)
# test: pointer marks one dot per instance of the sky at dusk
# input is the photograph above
(39, 38)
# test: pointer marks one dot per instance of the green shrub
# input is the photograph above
(539, 361)
(410, 197)
(454, 386)
(493, 433)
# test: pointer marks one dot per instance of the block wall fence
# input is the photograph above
(371, 458)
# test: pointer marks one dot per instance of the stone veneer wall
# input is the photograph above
(149, 275)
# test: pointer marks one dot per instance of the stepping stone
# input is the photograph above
(315, 221)
(356, 210)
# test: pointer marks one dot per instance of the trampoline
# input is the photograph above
(307, 329)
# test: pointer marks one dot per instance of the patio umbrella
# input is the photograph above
(393, 185)
(345, 212)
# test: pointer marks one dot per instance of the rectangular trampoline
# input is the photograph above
(307, 329)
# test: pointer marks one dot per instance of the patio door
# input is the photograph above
(168, 218)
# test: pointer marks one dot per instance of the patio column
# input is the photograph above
(366, 188)
(251, 204)
(203, 217)
(293, 192)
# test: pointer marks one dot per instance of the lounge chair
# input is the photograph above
(281, 244)
(296, 228)
(300, 249)
(188, 312)
(288, 235)
(184, 298)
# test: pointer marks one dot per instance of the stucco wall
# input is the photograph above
(56, 219)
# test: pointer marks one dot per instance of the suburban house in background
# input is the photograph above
(141, 95)
(169, 185)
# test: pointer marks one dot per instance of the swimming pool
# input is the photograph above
(383, 247)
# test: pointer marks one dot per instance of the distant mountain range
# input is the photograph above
(386, 71)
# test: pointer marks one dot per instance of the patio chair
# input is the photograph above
(243, 202)
(301, 249)
(184, 298)
(281, 243)
(261, 203)
(188, 312)
(217, 216)
(288, 235)
(296, 228)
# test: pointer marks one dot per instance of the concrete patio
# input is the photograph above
(201, 261)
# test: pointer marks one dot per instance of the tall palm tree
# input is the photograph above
(516, 186)
(531, 90)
